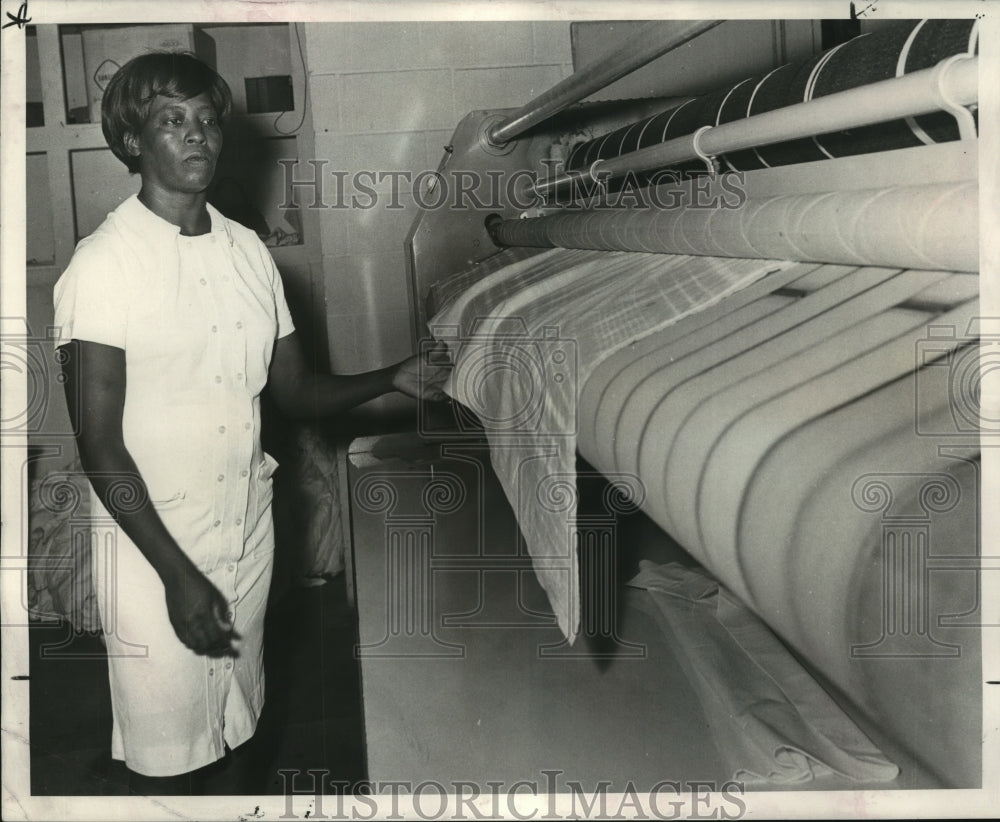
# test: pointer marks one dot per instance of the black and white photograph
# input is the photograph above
(509, 410)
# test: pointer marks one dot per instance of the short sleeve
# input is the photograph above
(91, 297)
(285, 323)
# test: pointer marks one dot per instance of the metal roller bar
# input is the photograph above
(646, 45)
(951, 84)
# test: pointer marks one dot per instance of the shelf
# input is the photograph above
(254, 59)
(66, 137)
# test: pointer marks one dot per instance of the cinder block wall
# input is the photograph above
(386, 97)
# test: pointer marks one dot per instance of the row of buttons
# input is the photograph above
(222, 430)
(211, 671)
(246, 425)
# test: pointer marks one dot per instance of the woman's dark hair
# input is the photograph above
(127, 99)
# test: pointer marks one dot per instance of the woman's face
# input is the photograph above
(179, 144)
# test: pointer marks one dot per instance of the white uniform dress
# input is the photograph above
(197, 318)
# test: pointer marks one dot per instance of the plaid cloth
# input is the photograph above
(445, 290)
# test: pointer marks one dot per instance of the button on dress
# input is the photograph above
(197, 318)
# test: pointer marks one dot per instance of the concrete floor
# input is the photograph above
(467, 677)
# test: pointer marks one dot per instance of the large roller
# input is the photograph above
(928, 226)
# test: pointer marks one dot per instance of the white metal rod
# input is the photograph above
(650, 42)
(922, 92)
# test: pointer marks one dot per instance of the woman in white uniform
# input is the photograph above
(172, 321)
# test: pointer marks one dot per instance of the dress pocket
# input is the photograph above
(267, 468)
(169, 507)
(170, 501)
(127, 496)
(262, 491)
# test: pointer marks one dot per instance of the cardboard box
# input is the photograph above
(108, 48)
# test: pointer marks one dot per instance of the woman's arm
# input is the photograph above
(300, 393)
(95, 393)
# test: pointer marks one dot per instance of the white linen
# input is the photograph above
(524, 340)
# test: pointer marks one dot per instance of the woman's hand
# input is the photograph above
(423, 376)
(198, 613)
